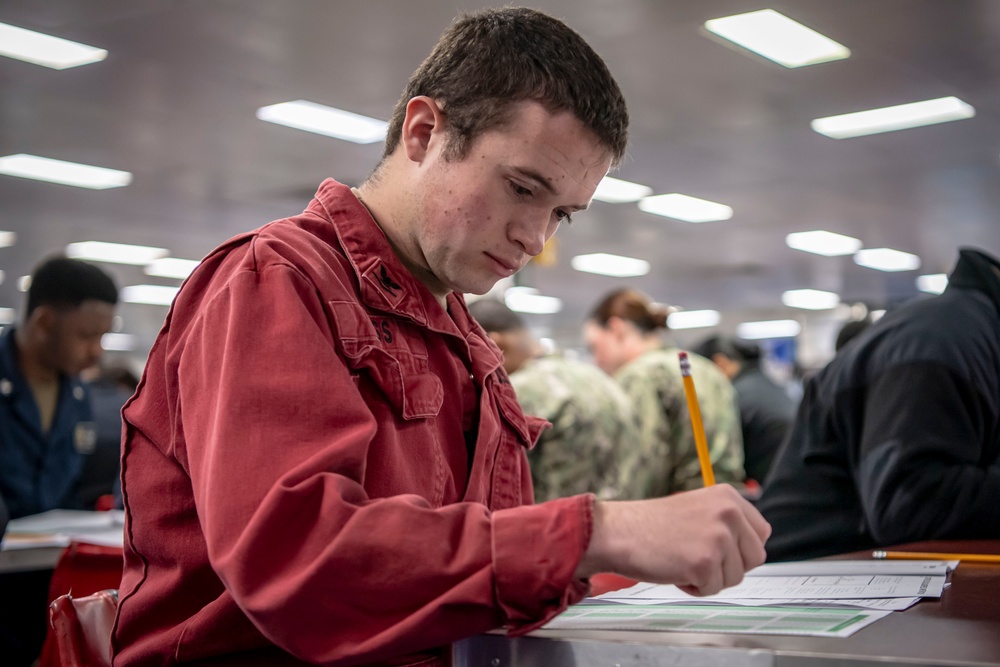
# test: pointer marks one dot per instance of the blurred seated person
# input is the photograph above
(766, 410)
(110, 385)
(623, 333)
(898, 438)
(592, 421)
(46, 423)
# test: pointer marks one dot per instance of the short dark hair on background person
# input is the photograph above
(487, 61)
(66, 283)
(495, 315)
(632, 306)
(849, 331)
(728, 346)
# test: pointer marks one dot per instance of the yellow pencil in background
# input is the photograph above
(924, 555)
(699, 428)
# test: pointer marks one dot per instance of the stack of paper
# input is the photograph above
(833, 598)
(56, 528)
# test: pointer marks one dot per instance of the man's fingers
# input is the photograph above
(757, 521)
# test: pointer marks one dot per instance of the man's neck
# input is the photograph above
(380, 199)
(33, 370)
(42, 380)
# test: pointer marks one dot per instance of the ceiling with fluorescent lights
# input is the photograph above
(174, 103)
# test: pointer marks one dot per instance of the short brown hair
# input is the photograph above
(488, 60)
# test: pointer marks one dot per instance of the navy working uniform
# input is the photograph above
(40, 471)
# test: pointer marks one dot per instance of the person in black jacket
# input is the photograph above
(898, 438)
(766, 410)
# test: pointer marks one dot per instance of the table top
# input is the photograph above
(960, 628)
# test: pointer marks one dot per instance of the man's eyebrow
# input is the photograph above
(547, 184)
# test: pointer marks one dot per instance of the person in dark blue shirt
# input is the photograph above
(46, 425)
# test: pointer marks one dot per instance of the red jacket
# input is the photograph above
(297, 482)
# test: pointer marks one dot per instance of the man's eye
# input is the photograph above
(565, 216)
(520, 190)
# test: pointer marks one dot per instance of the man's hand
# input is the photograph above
(702, 541)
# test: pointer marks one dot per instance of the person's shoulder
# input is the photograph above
(946, 328)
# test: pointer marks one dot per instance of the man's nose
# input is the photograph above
(530, 233)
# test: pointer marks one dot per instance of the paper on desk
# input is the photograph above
(821, 567)
(887, 604)
(803, 621)
(56, 528)
(66, 521)
(823, 587)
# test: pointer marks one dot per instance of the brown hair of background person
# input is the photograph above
(343, 456)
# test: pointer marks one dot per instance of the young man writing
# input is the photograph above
(324, 462)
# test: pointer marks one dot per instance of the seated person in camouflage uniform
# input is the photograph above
(623, 335)
(592, 420)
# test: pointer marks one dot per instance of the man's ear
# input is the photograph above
(42, 319)
(422, 125)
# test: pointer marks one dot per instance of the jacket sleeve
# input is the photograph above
(277, 437)
(925, 468)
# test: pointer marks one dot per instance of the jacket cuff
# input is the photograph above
(536, 550)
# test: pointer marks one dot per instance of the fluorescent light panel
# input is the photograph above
(328, 121)
(7, 315)
(41, 49)
(822, 242)
(778, 38)
(686, 208)
(62, 172)
(153, 295)
(890, 119)
(692, 319)
(886, 259)
(605, 264)
(528, 300)
(933, 283)
(7, 239)
(171, 267)
(768, 329)
(118, 342)
(617, 191)
(810, 299)
(116, 253)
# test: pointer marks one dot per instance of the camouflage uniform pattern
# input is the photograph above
(592, 424)
(665, 460)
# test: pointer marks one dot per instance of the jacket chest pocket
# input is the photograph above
(396, 363)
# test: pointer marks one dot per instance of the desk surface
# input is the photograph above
(962, 628)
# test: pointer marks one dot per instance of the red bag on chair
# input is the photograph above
(82, 627)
